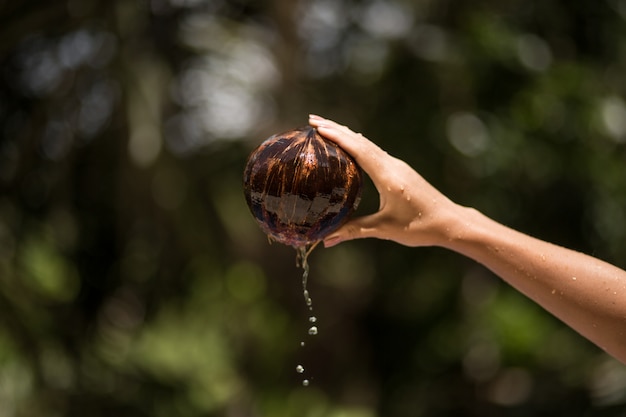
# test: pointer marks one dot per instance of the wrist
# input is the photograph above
(441, 225)
(461, 227)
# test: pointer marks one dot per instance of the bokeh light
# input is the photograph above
(134, 281)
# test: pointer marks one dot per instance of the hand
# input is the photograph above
(412, 212)
(585, 292)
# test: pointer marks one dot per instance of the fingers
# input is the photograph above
(353, 143)
(367, 154)
(358, 228)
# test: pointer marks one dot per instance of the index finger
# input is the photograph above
(366, 153)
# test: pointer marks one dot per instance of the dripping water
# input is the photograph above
(303, 253)
(302, 260)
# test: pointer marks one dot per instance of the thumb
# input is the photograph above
(358, 228)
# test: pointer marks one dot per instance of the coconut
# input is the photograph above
(300, 187)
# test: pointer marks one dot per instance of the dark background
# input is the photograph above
(134, 281)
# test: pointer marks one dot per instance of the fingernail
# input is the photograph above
(331, 241)
(315, 116)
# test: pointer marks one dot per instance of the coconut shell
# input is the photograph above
(300, 187)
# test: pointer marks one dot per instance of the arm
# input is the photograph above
(584, 292)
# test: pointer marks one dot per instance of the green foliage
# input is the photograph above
(134, 282)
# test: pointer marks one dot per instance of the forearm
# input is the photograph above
(584, 292)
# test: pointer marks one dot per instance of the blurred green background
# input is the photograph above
(134, 281)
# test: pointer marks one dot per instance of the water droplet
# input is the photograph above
(305, 383)
(312, 319)
(307, 298)
(313, 330)
(408, 198)
(299, 369)
(574, 278)
(553, 291)
(302, 344)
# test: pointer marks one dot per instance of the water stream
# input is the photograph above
(302, 261)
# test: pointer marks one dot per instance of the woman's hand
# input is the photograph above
(411, 212)
(585, 292)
